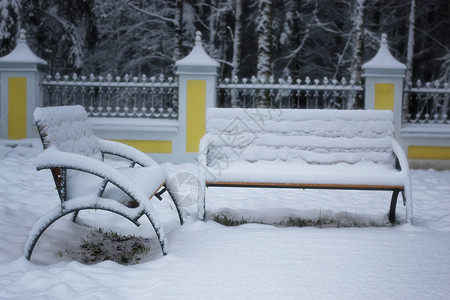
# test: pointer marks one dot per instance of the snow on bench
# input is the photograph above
(325, 149)
(84, 181)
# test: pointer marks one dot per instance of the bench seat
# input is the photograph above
(139, 176)
(302, 174)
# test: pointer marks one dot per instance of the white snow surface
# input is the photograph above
(366, 173)
(207, 260)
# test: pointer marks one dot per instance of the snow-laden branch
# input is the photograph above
(168, 20)
(342, 55)
(294, 53)
(433, 39)
(77, 41)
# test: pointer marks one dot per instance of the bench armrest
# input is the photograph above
(125, 151)
(203, 149)
(202, 169)
(400, 155)
(404, 168)
(53, 158)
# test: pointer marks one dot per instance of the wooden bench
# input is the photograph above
(317, 149)
(84, 181)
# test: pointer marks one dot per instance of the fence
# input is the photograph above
(133, 97)
(151, 98)
(426, 103)
(309, 94)
(127, 97)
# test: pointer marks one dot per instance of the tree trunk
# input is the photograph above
(410, 50)
(236, 61)
(264, 31)
(178, 30)
(358, 53)
(296, 30)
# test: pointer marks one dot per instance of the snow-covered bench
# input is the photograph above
(320, 149)
(84, 181)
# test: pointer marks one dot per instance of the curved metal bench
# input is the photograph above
(84, 181)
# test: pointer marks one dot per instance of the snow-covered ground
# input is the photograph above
(207, 260)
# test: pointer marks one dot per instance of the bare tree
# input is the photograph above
(296, 38)
(61, 32)
(173, 15)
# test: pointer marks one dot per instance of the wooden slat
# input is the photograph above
(305, 185)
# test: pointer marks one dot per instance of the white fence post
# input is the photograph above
(197, 91)
(384, 76)
(20, 75)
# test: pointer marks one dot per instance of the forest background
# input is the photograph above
(296, 38)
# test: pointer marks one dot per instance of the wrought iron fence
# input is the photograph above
(309, 94)
(426, 103)
(127, 97)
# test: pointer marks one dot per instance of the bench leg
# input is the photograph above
(159, 231)
(177, 206)
(203, 215)
(393, 206)
(52, 216)
(174, 200)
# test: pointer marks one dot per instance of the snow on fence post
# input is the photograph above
(20, 75)
(384, 76)
(197, 78)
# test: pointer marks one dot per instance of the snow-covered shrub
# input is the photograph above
(99, 246)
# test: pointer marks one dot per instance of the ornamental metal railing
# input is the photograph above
(127, 97)
(307, 94)
(426, 103)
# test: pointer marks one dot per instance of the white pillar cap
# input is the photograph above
(22, 53)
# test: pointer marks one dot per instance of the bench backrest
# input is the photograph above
(68, 129)
(312, 136)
